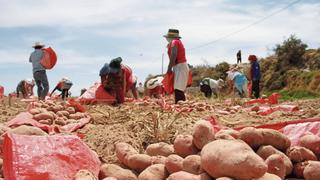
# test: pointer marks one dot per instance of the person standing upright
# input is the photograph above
(255, 75)
(239, 57)
(39, 72)
(177, 64)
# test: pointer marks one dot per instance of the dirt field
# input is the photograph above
(142, 123)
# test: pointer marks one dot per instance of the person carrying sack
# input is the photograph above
(177, 64)
(63, 86)
(39, 72)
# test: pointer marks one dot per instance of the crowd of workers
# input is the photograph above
(118, 79)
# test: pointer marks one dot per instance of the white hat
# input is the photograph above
(29, 81)
(38, 44)
(152, 83)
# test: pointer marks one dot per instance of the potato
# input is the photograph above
(77, 115)
(265, 151)
(312, 142)
(232, 158)
(3, 129)
(34, 111)
(192, 164)
(154, 172)
(71, 121)
(71, 110)
(158, 159)
(257, 137)
(112, 170)
(224, 178)
(298, 169)
(312, 171)
(275, 139)
(28, 130)
(202, 133)
(227, 134)
(183, 145)
(47, 121)
(63, 113)
(182, 175)
(268, 176)
(110, 178)
(85, 175)
(60, 121)
(139, 162)
(123, 151)
(43, 116)
(276, 165)
(161, 149)
(173, 163)
(57, 108)
(299, 154)
(251, 136)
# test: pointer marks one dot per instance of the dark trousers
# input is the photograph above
(42, 83)
(179, 96)
(238, 60)
(64, 93)
(256, 88)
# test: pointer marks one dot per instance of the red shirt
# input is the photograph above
(181, 57)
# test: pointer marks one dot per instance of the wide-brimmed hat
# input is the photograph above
(38, 44)
(115, 65)
(172, 33)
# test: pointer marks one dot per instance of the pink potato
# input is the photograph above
(124, 151)
(268, 176)
(109, 178)
(312, 142)
(85, 175)
(265, 151)
(276, 165)
(227, 134)
(182, 175)
(112, 170)
(183, 145)
(28, 130)
(275, 139)
(139, 162)
(251, 136)
(202, 133)
(158, 159)
(224, 178)
(43, 116)
(232, 158)
(161, 149)
(173, 163)
(312, 171)
(154, 172)
(300, 154)
(192, 164)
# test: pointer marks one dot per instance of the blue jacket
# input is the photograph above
(255, 71)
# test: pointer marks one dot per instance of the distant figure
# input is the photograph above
(155, 87)
(64, 85)
(117, 79)
(177, 64)
(255, 75)
(39, 72)
(210, 86)
(239, 57)
(229, 80)
(140, 89)
(239, 80)
(25, 87)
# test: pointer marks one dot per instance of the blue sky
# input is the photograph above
(88, 33)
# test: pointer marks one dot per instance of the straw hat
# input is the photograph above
(172, 33)
(38, 44)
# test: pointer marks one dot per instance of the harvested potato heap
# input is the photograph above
(55, 113)
(248, 154)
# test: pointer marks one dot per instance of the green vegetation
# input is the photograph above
(289, 95)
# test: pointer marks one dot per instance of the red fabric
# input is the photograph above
(94, 94)
(272, 99)
(250, 88)
(49, 58)
(60, 85)
(181, 56)
(26, 118)
(168, 83)
(189, 78)
(46, 157)
(72, 103)
(252, 58)
(1, 91)
(127, 72)
(156, 91)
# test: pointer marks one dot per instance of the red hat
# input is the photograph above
(252, 58)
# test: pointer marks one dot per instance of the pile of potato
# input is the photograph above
(248, 154)
(55, 113)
